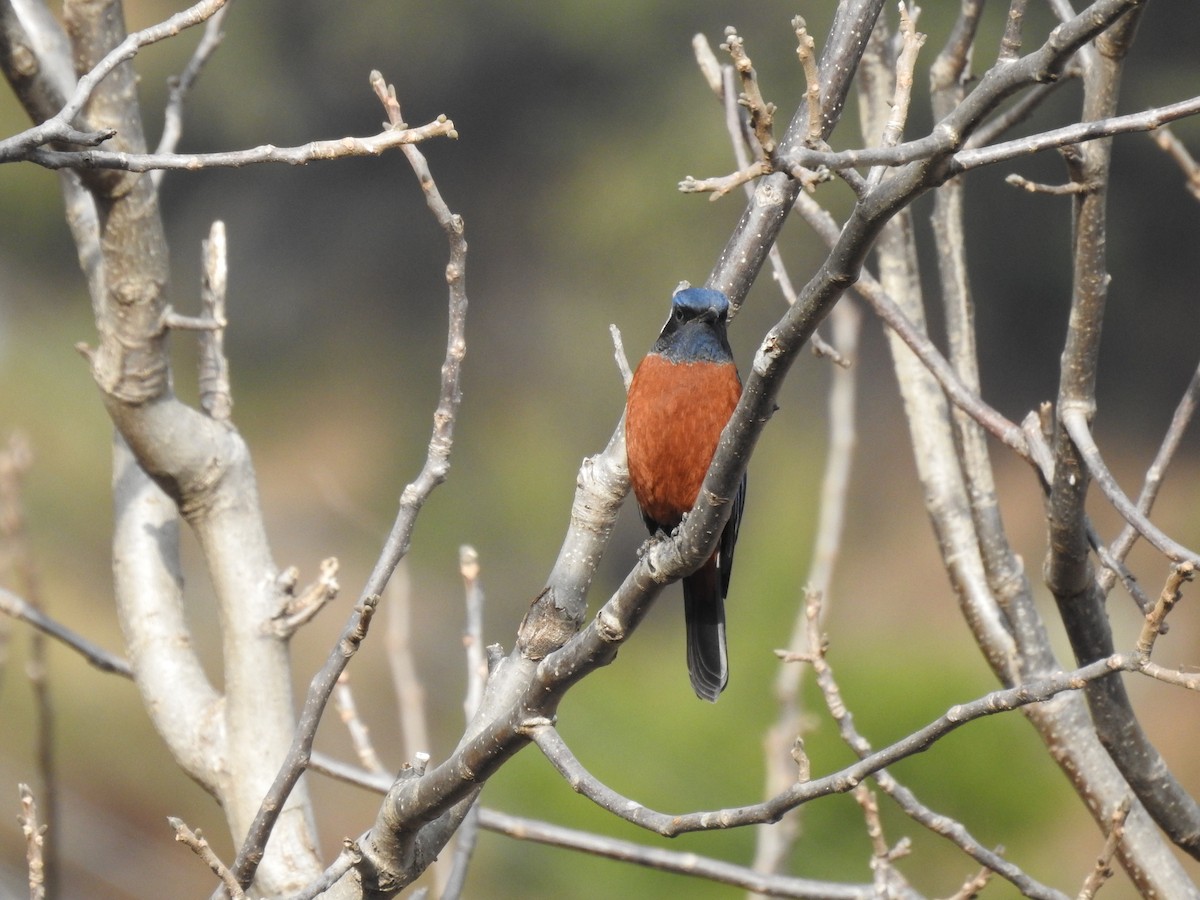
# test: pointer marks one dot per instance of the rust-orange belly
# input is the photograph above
(673, 421)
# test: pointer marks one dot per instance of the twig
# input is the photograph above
(1156, 618)
(708, 63)
(360, 735)
(406, 680)
(1103, 870)
(547, 739)
(806, 52)
(1075, 421)
(761, 112)
(1006, 431)
(966, 159)
(319, 690)
(412, 499)
(314, 151)
(1051, 190)
(12, 605)
(1010, 43)
(943, 825)
(524, 829)
(59, 127)
(350, 857)
(739, 140)
(303, 607)
(16, 562)
(1146, 120)
(179, 86)
(775, 841)
(1165, 138)
(973, 886)
(670, 860)
(723, 184)
(477, 670)
(34, 843)
(196, 841)
(216, 397)
(1153, 479)
(911, 43)
(619, 355)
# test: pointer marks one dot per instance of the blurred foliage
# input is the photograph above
(576, 123)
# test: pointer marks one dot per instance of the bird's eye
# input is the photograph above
(679, 314)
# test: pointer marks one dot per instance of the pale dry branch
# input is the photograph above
(179, 86)
(360, 735)
(350, 857)
(320, 689)
(1050, 190)
(806, 53)
(619, 355)
(911, 43)
(298, 609)
(197, 843)
(525, 829)
(12, 605)
(406, 679)
(722, 185)
(1152, 482)
(943, 141)
(762, 113)
(1103, 870)
(216, 396)
(1156, 618)
(710, 66)
(314, 151)
(34, 843)
(477, 669)
(1165, 138)
(60, 127)
(938, 823)
(1075, 420)
(782, 737)
(547, 739)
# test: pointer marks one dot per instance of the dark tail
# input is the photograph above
(704, 611)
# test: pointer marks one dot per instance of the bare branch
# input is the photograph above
(619, 355)
(315, 151)
(12, 605)
(216, 397)
(1075, 420)
(762, 113)
(669, 825)
(433, 473)
(1156, 618)
(34, 843)
(1180, 419)
(198, 845)
(911, 43)
(300, 608)
(406, 681)
(806, 52)
(253, 846)
(1103, 870)
(360, 735)
(59, 127)
(350, 857)
(1165, 138)
(181, 85)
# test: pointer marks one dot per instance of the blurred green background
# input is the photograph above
(576, 122)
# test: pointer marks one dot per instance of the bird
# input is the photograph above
(679, 401)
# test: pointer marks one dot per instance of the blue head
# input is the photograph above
(695, 330)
